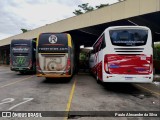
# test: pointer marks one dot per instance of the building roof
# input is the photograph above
(115, 12)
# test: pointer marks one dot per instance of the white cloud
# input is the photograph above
(3, 36)
(41, 14)
(30, 14)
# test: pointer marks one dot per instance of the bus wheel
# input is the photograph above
(22, 72)
(48, 79)
(97, 79)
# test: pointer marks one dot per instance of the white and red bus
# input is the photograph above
(55, 55)
(123, 54)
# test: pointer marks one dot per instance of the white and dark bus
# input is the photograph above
(23, 55)
(123, 54)
(55, 55)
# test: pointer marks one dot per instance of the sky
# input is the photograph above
(31, 14)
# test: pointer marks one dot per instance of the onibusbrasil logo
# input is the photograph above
(52, 39)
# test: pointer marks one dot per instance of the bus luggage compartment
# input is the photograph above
(54, 63)
(129, 64)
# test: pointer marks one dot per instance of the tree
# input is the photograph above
(157, 51)
(101, 5)
(86, 8)
(78, 12)
(24, 30)
(83, 9)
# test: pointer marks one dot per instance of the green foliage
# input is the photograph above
(157, 46)
(78, 12)
(156, 52)
(86, 8)
(82, 56)
(24, 30)
(101, 5)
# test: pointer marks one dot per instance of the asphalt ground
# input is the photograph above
(81, 97)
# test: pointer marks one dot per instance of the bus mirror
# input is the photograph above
(82, 46)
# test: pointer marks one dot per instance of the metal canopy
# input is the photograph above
(88, 35)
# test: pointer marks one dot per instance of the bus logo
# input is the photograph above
(52, 39)
(21, 60)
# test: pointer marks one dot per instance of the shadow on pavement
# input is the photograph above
(26, 73)
(57, 80)
(125, 88)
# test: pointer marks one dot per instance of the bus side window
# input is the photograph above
(99, 45)
(94, 50)
(103, 44)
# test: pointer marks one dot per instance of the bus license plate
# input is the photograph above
(143, 57)
(128, 78)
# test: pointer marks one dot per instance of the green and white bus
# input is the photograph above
(23, 55)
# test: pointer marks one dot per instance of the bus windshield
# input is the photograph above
(53, 43)
(20, 47)
(128, 37)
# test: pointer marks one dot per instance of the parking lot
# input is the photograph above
(81, 93)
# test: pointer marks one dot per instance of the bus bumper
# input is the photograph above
(52, 76)
(20, 69)
(128, 78)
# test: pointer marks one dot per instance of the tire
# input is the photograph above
(48, 79)
(97, 79)
(22, 72)
(34, 68)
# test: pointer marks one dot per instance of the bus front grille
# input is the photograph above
(128, 49)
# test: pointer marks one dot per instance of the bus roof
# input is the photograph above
(21, 41)
(120, 27)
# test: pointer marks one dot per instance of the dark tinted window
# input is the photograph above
(100, 44)
(20, 42)
(49, 43)
(103, 44)
(20, 46)
(129, 37)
